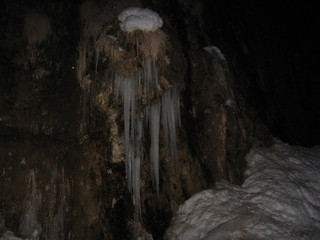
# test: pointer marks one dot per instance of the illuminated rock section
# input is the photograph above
(146, 101)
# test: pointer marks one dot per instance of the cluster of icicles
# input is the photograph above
(161, 110)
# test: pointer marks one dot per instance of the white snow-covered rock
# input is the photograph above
(280, 199)
(9, 236)
(6, 234)
(144, 19)
(211, 49)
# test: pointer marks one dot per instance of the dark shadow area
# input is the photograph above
(271, 49)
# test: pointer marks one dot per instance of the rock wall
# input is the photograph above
(61, 127)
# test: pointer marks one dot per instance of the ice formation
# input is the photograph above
(146, 104)
(154, 125)
(8, 235)
(150, 76)
(164, 109)
(211, 49)
(134, 18)
(170, 117)
(29, 226)
(280, 199)
(126, 87)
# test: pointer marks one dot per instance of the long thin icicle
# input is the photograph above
(29, 226)
(126, 87)
(150, 76)
(170, 113)
(136, 166)
(154, 148)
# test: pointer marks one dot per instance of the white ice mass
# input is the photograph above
(162, 113)
(144, 19)
(280, 199)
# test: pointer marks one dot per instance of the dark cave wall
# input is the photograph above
(270, 48)
(70, 135)
(38, 87)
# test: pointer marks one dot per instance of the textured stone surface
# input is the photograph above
(70, 132)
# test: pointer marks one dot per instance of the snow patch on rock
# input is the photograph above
(280, 199)
(144, 19)
(211, 49)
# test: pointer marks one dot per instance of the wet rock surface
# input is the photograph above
(61, 126)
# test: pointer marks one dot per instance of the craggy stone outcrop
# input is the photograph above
(61, 126)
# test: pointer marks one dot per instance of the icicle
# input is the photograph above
(29, 226)
(154, 116)
(126, 87)
(136, 167)
(97, 60)
(150, 76)
(170, 113)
